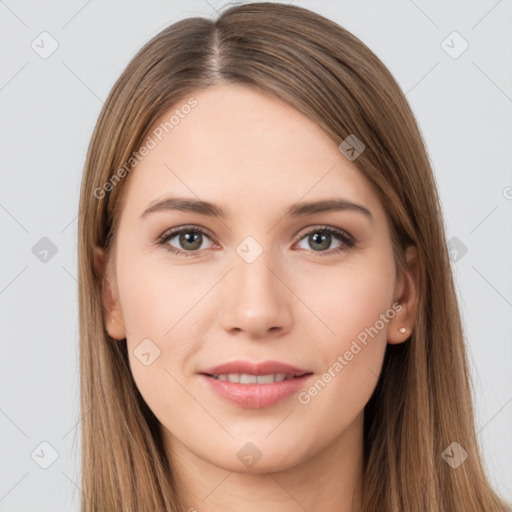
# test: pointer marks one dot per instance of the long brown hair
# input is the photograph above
(422, 402)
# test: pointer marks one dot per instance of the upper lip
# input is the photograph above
(262, 368)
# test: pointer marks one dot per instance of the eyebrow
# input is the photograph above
(300, 209)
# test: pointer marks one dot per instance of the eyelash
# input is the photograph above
(348, 242)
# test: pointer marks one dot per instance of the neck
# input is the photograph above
(328, 481)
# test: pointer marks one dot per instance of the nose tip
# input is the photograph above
(256, 302)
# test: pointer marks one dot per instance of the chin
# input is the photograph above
(255, 457)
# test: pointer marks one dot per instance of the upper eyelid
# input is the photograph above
(176, 231)
(171, 233)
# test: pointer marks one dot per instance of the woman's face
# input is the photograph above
(254, 284)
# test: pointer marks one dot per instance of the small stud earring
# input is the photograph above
(402, 330)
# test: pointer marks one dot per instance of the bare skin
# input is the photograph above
(297, 302)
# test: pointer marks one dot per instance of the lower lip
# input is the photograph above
(256, 396)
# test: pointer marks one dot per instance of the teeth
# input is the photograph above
(265, 379)
(245, 378)
(248, 379)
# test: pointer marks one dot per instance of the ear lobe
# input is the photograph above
(408, 299)
(113, 318)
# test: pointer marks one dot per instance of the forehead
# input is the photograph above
(245, 150)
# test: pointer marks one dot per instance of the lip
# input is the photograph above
(256, 396)
(263, 368)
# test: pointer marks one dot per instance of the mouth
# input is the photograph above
(255, 385)
(245, 372)
(246, 378)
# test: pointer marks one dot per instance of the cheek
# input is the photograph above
(355, 305)
(162, 335)
(173, 303)
(157, 298)
(347, 299)
(161, 308)
(335, 307)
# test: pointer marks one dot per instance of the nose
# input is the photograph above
(256, 301)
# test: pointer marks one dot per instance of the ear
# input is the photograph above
(112, 314)
(407, 295)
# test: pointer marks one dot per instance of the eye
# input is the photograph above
(321, 238)
(189, 238)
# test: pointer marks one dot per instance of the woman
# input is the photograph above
(267, 309)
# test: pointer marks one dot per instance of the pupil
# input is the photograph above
(323, 238)
(189, 239)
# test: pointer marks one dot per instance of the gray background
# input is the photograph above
(49, 107)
